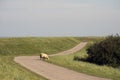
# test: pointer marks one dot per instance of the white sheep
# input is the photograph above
(44, 56)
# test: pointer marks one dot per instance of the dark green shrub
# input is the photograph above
(106, 52)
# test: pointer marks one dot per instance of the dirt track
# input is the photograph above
(51, 71)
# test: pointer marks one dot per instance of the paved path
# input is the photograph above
(51, 71)
(72, 50)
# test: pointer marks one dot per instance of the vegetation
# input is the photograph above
(11, 47)
(34, 46)
(106, 52)
(85, 67)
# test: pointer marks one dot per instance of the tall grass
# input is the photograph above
(85, 67)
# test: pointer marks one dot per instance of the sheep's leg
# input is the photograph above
(40, 57)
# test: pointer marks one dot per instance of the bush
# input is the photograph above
(106, 52)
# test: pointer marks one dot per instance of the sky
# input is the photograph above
(20, 18)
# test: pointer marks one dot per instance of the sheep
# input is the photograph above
(44, 56)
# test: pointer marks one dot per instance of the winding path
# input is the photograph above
(54, 72)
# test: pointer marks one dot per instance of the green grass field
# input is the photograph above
(85, 67)
(34, 46)
(11, 47)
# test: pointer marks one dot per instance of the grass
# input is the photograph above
(34, 46)
(11, 47)
(85, 67)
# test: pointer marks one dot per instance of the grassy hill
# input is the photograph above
(34, 46)
(11, 47)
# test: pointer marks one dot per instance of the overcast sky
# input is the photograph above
(59, 17)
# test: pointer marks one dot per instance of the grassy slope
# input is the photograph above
(85, 67)
(34, 46)
(11, 47)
